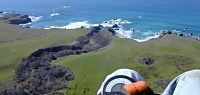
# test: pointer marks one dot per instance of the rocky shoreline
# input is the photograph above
(15, 19)
(181, 33)
(114, 25)
(178, 33)
(35, 75)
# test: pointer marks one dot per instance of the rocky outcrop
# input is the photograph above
(20, 20)
(115, 26)
(35, 75)
(164, 32)
(146, 60)
(181, 33)
(15, 18)
(112, 31)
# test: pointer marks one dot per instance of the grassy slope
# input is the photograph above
(173, 55)
(17, 42)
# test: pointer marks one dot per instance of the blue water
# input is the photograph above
(147, 16)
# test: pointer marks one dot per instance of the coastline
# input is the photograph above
(122, 44)
(114, 25)
(68, 47)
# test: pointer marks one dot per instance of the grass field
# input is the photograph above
(173, 55)
(17, 42)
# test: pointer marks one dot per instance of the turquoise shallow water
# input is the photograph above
(148, 17)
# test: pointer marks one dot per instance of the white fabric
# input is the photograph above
(127, 72)
(187, 83)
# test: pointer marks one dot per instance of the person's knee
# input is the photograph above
(188, 83)
(191, 74)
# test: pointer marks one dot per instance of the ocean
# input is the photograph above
(145, 17)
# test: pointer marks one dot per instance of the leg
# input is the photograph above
(187, 83)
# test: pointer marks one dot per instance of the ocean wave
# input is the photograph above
(74, 25)
(54, 14)
(139, 17)
(33, 19)
(86, 24)
(1, 12)
(58, 8)
(66, 7)
(124, 33)
(148, 38)
(120, 31)
(112, 22)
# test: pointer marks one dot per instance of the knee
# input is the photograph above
(188, 83)
(191, 74)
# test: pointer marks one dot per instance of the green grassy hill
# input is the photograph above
(17, 42)
(173, 55)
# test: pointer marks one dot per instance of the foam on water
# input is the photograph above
(54, 14)
(3, 12)
(121, 32)
(58, 8)
(74, 25)
(66, 6)
(33, 19)
(112, 22)
(148, 38)
(139, 17)
(86, 24)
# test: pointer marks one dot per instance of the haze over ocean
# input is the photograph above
(147, 17)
